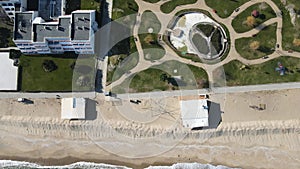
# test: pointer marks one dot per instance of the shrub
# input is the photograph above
(49, 66)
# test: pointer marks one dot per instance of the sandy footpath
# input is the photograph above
(246, 137)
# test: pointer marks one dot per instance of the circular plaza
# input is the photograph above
(196, 33)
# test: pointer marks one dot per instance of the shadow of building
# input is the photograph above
(90, 110)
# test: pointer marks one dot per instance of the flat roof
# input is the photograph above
(73, 108)
(23, 26)
(81, 25)
(59, 30)
(8, 73)
(194, 113)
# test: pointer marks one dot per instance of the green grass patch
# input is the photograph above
(169, 6)
(225, 9)
(90, 5)
(266, 38)
(124, 8)
(149, 41)
(262, 73)
(35, 78)
(118, 65)
(188, 77)
(266, 13)
(150, 80)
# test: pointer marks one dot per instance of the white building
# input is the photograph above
(9, 6)
(48, 31)
(194, 112)
(8, 73)
(73, 108)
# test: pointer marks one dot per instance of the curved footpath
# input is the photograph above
(233, 54)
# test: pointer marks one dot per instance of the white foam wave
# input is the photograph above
(10, 163)
(89, 165)
(190, 166)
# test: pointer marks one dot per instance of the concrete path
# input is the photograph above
(216, 90)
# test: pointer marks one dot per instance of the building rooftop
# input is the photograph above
(8, 73)
(81, 26)
(194, 112)
(23, 26)
(73, 108)
(59, 30)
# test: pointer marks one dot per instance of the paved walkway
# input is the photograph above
(217, 90)
(233, 54)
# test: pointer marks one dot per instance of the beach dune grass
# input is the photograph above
(265, 13)
(224, 9)
(169, 6)
(266, 38)
(238, 74)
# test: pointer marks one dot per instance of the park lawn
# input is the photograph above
(34, 78)
(124, 12)
(262, 73)
(225, 9)
(149, 20)
(149, 80)
(90, 5)
(289, 31)
(149, 41)
(266, 38)
(169, 6)
(266, 13)
(124, 8)
(192, 77)
(121, 66)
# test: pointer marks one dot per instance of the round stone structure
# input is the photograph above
(196, 33)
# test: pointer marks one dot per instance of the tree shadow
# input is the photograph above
(72, 5)
(262, 16)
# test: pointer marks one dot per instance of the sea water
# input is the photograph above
(9, 164)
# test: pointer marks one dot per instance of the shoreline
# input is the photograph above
(279, 140)
(246, 137)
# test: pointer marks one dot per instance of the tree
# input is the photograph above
(163, 77)
(296, 42)
(49, 66)
(251, 21)
(254, 45)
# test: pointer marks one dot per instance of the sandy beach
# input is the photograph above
(246, 138)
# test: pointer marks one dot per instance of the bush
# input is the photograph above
(49, 66)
